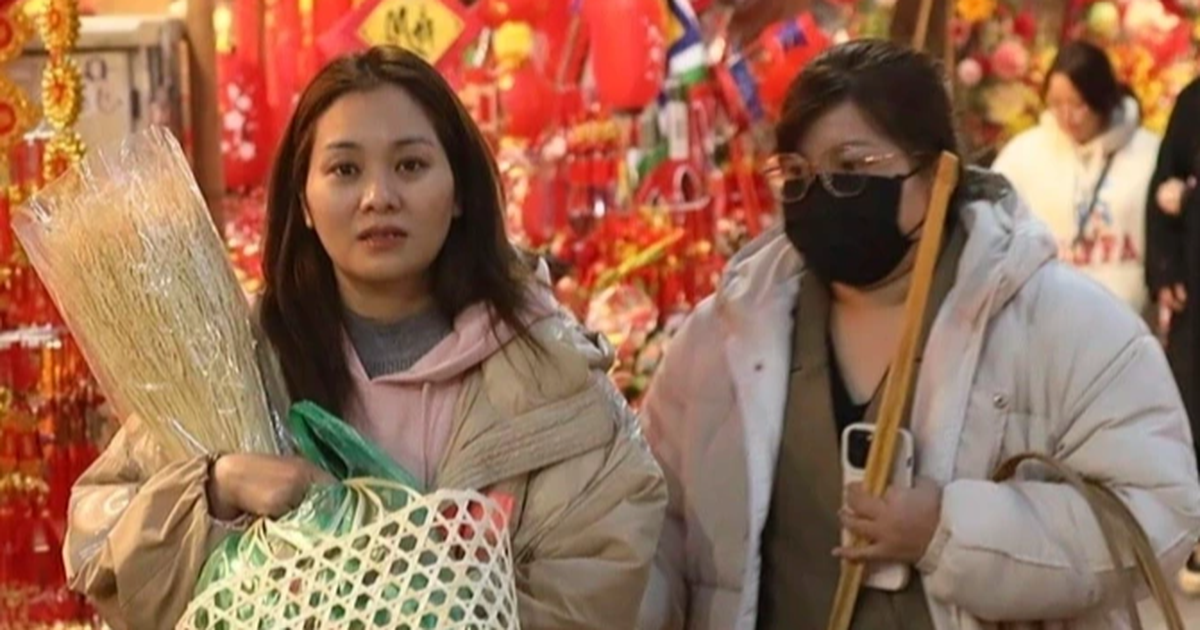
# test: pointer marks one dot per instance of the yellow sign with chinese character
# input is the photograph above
(426, 27)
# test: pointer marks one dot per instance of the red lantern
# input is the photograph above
(564, 55)
(630, 61)
(527, 101)
(497, 12)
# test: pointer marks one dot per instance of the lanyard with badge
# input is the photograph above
(1090, 208)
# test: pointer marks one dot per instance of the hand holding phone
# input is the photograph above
(856, 444)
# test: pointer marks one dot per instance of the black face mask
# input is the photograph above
(850, 240)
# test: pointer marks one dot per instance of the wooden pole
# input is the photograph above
(898, 386)
(206, 121)
(921, 34)
(923, 28)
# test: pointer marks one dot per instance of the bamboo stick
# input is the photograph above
(921, 34)
(897, 388)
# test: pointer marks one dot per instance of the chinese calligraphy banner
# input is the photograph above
(437, 30)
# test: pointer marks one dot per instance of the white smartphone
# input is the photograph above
(856, 444)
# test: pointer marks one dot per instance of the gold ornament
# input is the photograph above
(62, 87)
(59, 26)
(15, 30)
(17, 114)
(62, 152)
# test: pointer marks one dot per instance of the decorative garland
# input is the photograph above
(17, 113)
(62, 86)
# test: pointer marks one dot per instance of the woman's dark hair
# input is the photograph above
(1089, 69)
(301, 308)
(902, 91)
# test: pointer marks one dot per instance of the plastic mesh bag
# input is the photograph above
(368, 552)
(127, 249)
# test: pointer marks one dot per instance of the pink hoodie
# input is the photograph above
(409, 415)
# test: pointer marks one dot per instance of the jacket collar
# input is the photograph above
(1125, 122)
(755, 302)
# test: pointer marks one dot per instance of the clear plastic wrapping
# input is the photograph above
(128, 250)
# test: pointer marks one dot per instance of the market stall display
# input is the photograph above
(50, 427)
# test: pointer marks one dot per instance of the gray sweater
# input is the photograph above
(392, 348)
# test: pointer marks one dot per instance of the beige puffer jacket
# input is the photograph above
(1025, 355)
(547, 428)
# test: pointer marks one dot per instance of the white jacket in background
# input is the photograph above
(1058, 178)
(1024, 355)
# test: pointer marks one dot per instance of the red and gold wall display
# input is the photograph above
(48, 400)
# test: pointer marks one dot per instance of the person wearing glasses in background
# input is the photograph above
(746, 411)
(1085, 171)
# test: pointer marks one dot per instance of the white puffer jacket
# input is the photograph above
(1025, 355)
(1058, 178)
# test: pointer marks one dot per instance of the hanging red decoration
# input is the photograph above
(326, 14)
(527, 101)
(497, 12)
(245, 124)
(437, 30)
(283, 32)
(630, 67)
(784, 50)
(566, 42)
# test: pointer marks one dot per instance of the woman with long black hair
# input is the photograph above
(394, 300)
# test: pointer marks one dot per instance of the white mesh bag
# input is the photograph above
(442, 561)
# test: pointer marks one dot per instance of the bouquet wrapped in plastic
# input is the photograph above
(127, 249)
(368, 552)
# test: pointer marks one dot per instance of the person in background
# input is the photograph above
(394, 299)
(1173, 261)
(1085, 171)
(746, 412)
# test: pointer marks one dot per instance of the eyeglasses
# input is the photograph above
(791, 176)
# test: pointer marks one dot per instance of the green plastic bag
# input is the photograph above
(339, 450)
(332, 510)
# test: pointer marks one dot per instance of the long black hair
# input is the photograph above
(301, 308)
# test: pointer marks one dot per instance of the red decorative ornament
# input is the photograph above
(630, 66)
(63, 151)
(326, 14)
(497, 12)
(527, 101)
(785, 49)
(15, 30)
(6, 235)
(438, 30)
(284, 32)
(564, 57)
(8, 119)
(245, 122)
(1025, 25)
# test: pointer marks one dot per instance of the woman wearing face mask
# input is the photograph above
(394, 300)
(1020, 353)
(1086, 171)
